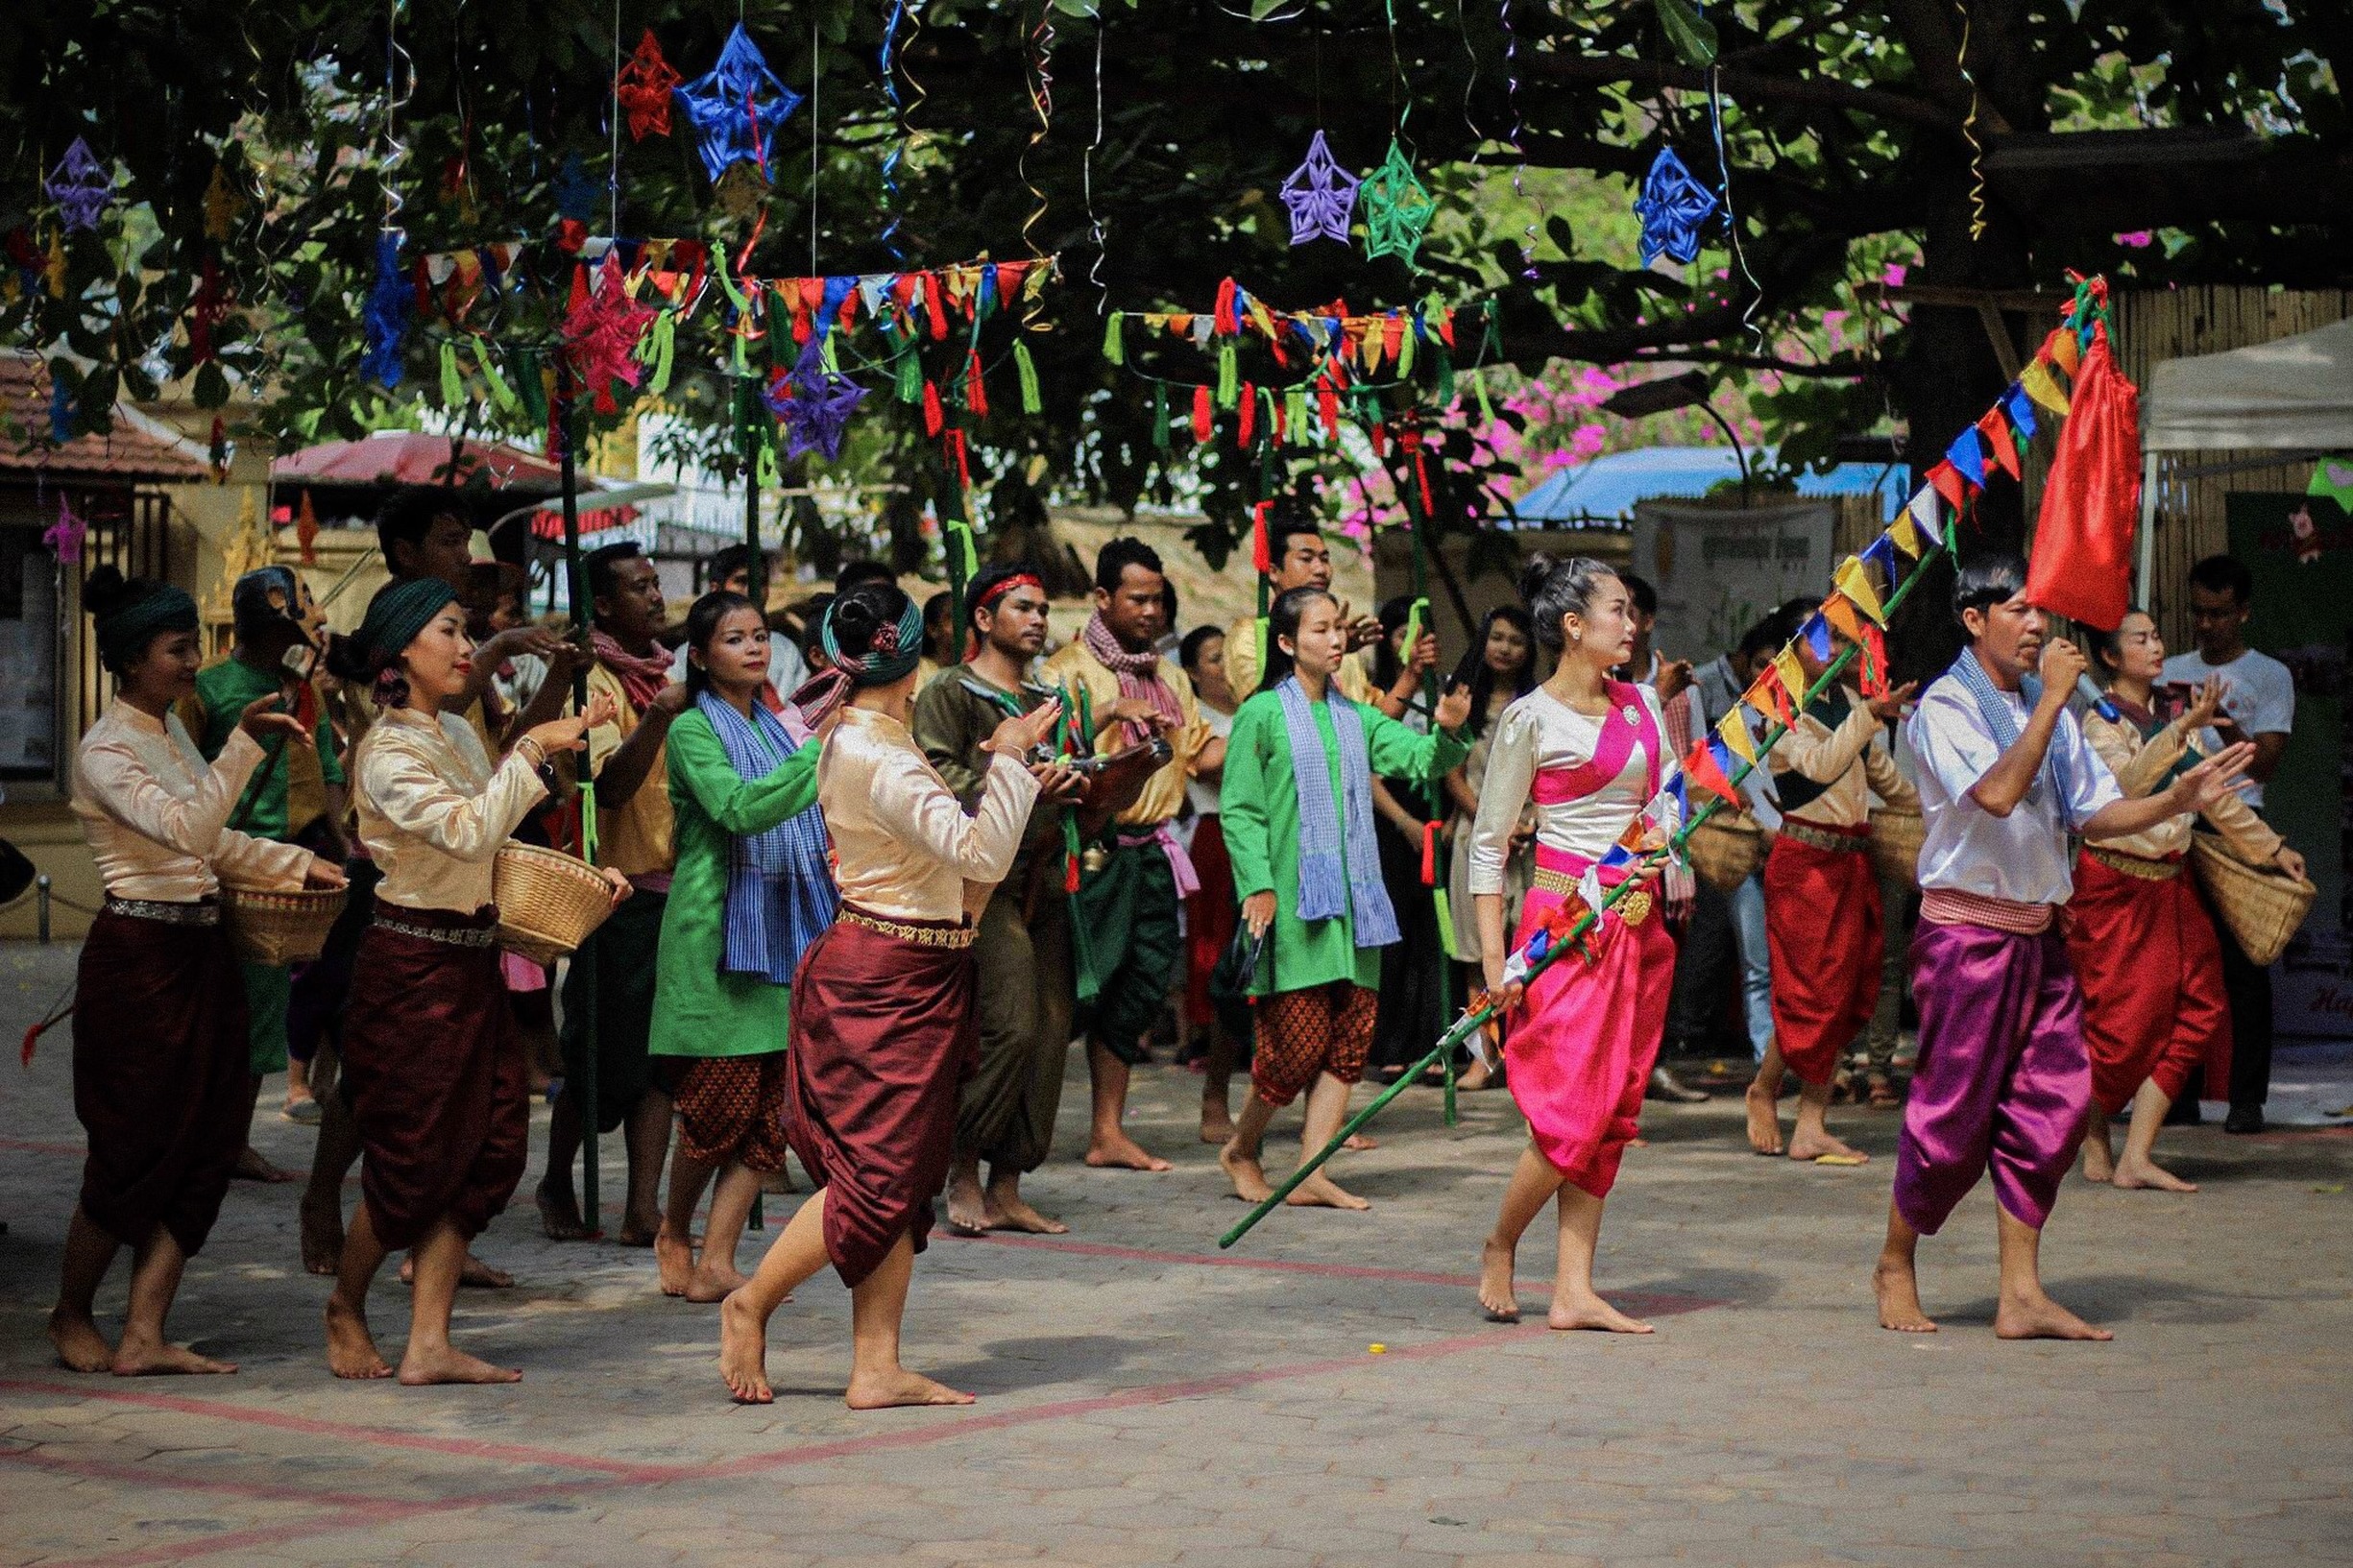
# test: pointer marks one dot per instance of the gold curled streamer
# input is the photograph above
(1040, 85)
(1969, 131)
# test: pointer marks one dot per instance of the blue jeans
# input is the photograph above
(1748, 924)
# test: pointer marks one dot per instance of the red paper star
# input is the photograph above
(601, 332)
(644, 89)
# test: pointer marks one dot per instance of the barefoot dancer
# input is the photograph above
(2144, 946)
(1296, 803)
(1587, 750)
(883, 1025)
(1022, 946)
(2004, 1080)
(752, 890)
(429, 1055)
(1821, 896)
(1209, 912)
(160, 1080)
(1127, 693)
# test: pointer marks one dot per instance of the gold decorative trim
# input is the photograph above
(923, 936)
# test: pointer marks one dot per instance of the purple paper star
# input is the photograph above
(80, 186)
(737, 109)
(1673, 207)
(814, 404)
(1320, 195)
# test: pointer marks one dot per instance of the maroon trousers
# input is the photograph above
(884, 1034)
(160, 1080)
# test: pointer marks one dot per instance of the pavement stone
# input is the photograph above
(1148, 1398)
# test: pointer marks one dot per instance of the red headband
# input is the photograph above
(999, 588)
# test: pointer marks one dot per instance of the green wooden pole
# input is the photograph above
(584, 615)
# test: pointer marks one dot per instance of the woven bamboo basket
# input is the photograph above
(2263, 906)
(1726, 849)
(549, 901)
(278, 928)
(1896, 836)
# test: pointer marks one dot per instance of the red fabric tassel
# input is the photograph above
(1327, 407)
(579, 286)
(1200, 415)
(1422, 476)
(1282, 421)
(1379, 437)
(933, 303)
(1248, 422)
(934, 415)
(976, 391)
(1429, 854)
(1070, 874)
(1262, 542)
(960, 455)
(1225, 320)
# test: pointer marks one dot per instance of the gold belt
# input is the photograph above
(1822, 839)
(925, 936)
(1632, 907)
(2135, 865)
(168, 914)
(451, 936)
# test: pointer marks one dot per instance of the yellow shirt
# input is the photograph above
(903, 847)
(634, 839)
(156, 817)
(433, 811)
(1851, 764)
(2142, 767)
(1074, 667)
(1241, 667)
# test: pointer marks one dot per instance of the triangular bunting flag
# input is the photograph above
(1946, 481)
(1995, 426)
(1968, 457)
(1925, 527)
(1792, 676)
(1770, 698)
(1734, 728)
(2021, 409)
(1817, 635)
(1706, 765)
(1855, 584)
(1840, 613)
(2037, 383)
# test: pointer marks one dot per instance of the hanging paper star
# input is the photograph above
(814, 404)
(741, 190)
(575, 193)
(1673, 207)
(737, 108)
(643, 89)
(386, 316)
(1320, 196)
(66, 535)
(1397, 207)
(80, 186)
(601, 332)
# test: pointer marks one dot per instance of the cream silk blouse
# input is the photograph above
(156, 817)
(903, 848)
(433, 811)
(2141, 767)
(1849, 761)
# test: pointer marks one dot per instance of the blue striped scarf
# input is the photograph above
(1328, 884)
(780, 890)
(1995, 709)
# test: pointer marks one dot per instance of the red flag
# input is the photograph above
(1948, 481)
(1995, 427)
(1707, 773)
(2082, 564)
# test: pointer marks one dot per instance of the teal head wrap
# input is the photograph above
(144, 612)
(398, 612)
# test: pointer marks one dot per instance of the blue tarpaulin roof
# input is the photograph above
(1605, 489)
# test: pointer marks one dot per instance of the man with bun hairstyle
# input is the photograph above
(1005, 1115)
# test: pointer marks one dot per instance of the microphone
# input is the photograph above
(2097, 698)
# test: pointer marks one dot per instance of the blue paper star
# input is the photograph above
(1673, 207)
(575, 193)
(737, 108)
(1320, 195)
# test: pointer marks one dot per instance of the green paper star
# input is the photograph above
(1396, 207)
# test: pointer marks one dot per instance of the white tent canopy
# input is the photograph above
(2295, 394)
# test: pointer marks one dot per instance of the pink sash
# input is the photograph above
(1619, 735)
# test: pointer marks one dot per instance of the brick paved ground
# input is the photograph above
(1146, 1399)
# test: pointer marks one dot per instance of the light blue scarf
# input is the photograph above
(1330, 885)
(1995, 709)
(780, 890)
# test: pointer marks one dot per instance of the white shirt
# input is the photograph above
(1540, 730)
(2258, 695)
(1204, 796)
(2027, 856)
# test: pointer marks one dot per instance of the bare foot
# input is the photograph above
(350, 1349)
(1815, 1143)
(2099, 1161)
(1497, 1264)
(1883, 1092)
(1764, 1123)
(1008, 1211)
(1473, 1078)
(154, 1359)
(1587, 1311)
(450, 1365)
(967, 1207)
(1321, 1191)
(715, 1281)
(322, 1232)
(674, 1260)
(1118, 1151)
(1217, 1120)
(1357, 1142)
(2039, 1318)
(887, 1390)
(638, 1232)
(473, 1275)
(2136, 1175)
(251, 1166)
(559, 1214)
(1248, 1177)
(79, 1344)
(1898, 1288)
(743, 1352)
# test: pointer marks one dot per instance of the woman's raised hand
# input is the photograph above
(1018, 736)
(262, 718)
(1455, 708)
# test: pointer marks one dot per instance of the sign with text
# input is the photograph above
(1721, 569)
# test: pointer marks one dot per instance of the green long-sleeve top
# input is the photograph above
(1258, 802)
(697, 1010)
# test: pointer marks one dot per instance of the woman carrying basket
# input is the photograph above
(1588, 752)
(159, 1026)
(432, 1061)
(2143, 946)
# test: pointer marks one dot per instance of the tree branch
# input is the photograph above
(1608, 70)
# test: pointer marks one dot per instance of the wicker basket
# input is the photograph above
(549, 901)
(1896, 836)
(1726, 849)
(278, 928)
(2261, 905)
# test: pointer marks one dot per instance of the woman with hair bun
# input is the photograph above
(159, 1027)
(883, 1022)
(1588, 751)
(430, 1060)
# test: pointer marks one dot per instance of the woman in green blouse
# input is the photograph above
(751, 890)
(1296, 805)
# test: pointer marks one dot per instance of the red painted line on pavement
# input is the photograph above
(34, 1145)
(472, 1447)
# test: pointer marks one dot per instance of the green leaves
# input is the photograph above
(1692, 35)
